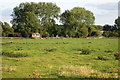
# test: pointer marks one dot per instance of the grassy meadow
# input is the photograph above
(59, 58)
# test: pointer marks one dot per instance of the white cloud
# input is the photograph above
(119, 8)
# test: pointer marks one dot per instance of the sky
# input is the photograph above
(105, 11)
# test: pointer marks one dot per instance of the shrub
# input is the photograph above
(106, 33)
(78, 71)
(45, 34)
(85, 51)
(84, 31)
(50, 50)
(108, 51)
(33, 38)
(111, 34)
(17, 35)
(36, 74)
(96, 33)
(14, 54)
(11, 35)
(117, 55)
(9, 68)
(102, 58)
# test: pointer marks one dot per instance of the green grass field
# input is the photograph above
(59, 58)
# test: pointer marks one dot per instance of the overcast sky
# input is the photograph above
(105, 11)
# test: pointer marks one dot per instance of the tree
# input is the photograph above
(83, 16)
(117, 23)
(90, 30)
(84, 31)
(107, 27)
(75, 19)
(7, 30)
(1, 28)
(98, 27)
(96, 33)
(34, 17)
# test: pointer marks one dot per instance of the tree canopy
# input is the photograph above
(34, 17)
(75, 19)
(28, 18)
(5, 29)
(117, 23)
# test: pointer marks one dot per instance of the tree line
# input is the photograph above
(41, 18)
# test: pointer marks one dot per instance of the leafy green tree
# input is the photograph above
(90, 30)
(34, 17)
(111, 33)
(83, 16)
(84, 31)
(75, 19)
(117, 23)
(107, 27)
(1, 28)
(96, 33)
(7, 30)
(98, 27)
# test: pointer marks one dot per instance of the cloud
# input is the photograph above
(6, 12)
(119, 8)
(105, 13)
(105, 6)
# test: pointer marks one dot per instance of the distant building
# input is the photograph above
(35, 35)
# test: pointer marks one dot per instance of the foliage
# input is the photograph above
(84, 31)
(75, 19)
(1, 28)
(51, 50)
(117, 23)
(17, 34)
(34, 17)
(85, 51)
(96, 33)
(6, 30)
(102, 58)
(117, 55)
(41, 18)
(14, 54)
(107, 27)
(111, 33)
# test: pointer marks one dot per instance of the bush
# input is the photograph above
(108, 51)
(14, 54)
(67, 71)
(50, 50)
(85, 51)
(17, 35)
(117, 55)
(33, 38)
(106, 33)
(10, 35)
(84, 32)
(102, 58)
(111, 34)
(96, 33)
(45, 34)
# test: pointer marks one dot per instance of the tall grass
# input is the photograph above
(76, 71)
(15, 54)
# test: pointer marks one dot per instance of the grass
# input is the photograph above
(59, 58)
